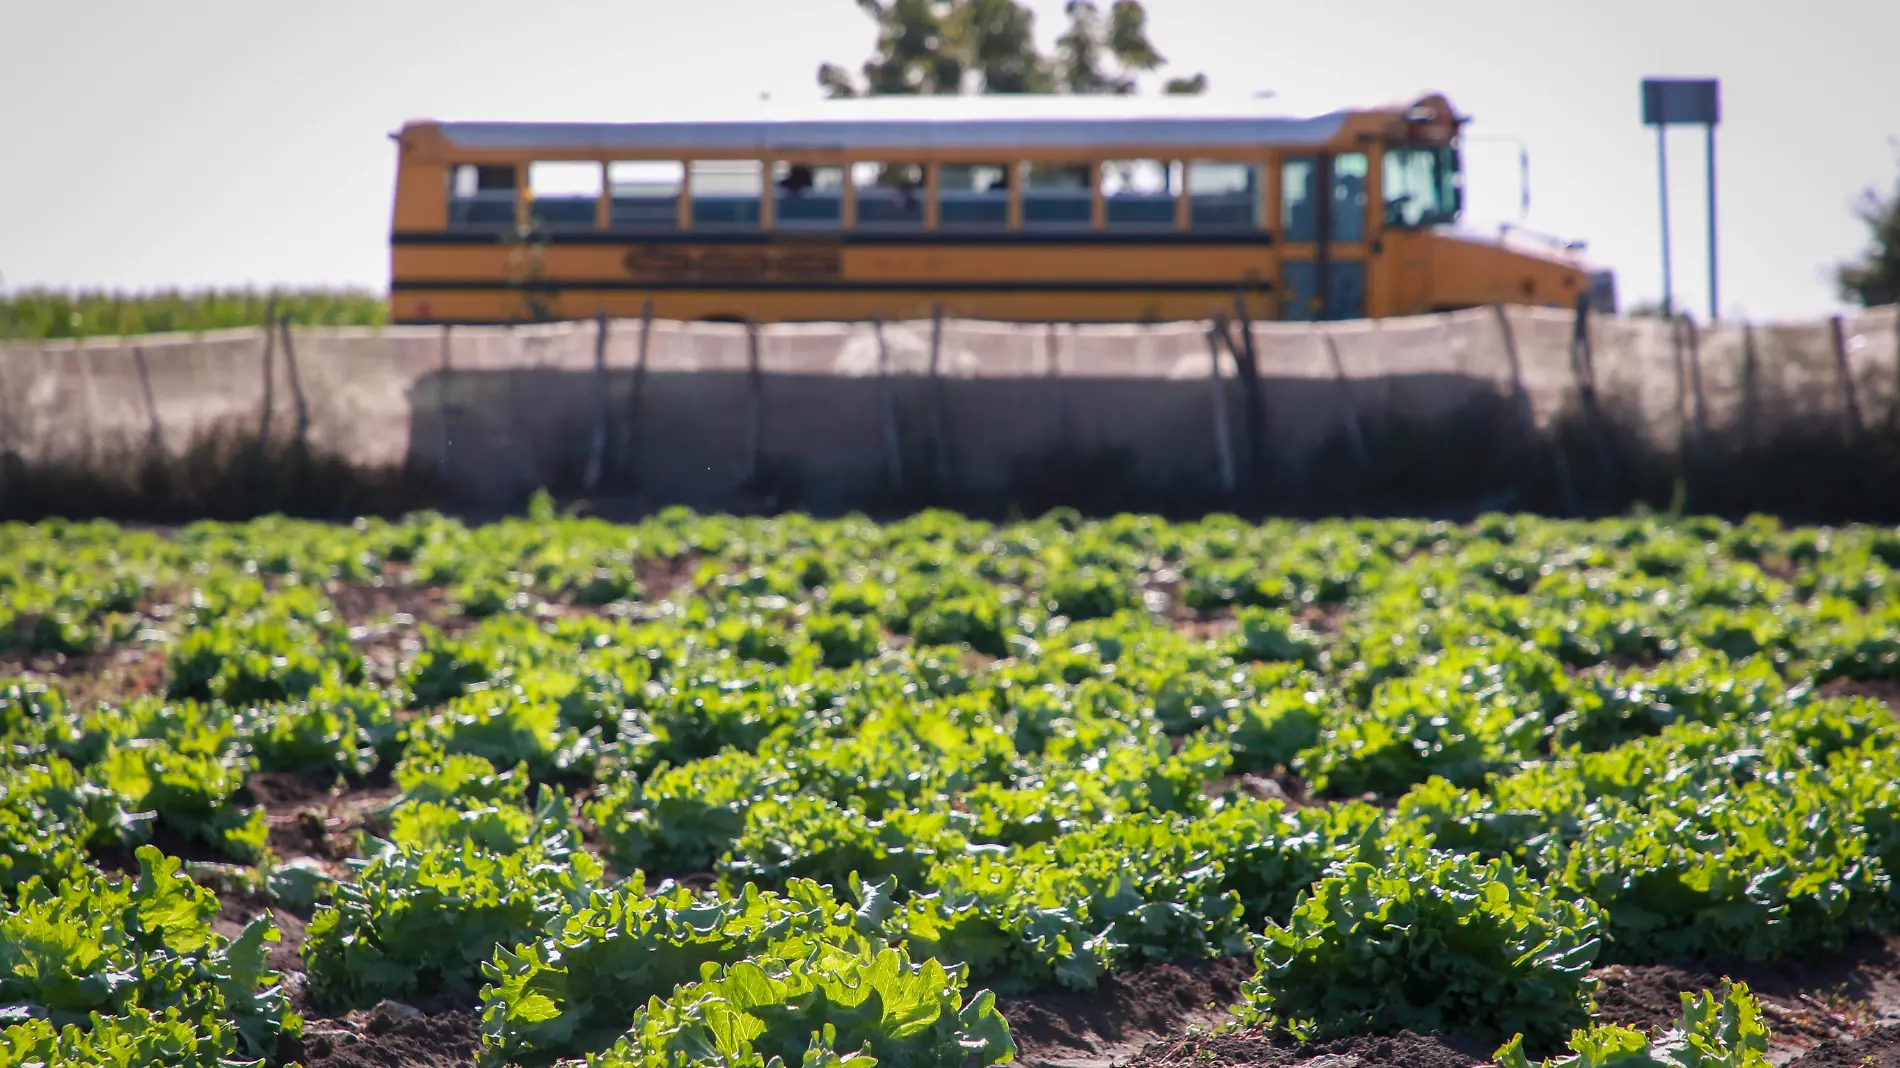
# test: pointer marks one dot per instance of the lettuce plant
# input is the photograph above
(1429, 941)
(1724, 1032)
(410, 921)
(869, 1007)
(110, 945)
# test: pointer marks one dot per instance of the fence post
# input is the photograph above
(1354, 434)
(1893, 410)
(300, 452)
(1247, 366)
(1223, 442)
(1700, 406)
(155, 437)
(270, 377)
(755, 402)
(1850, 395)
(1583, 368)
(1528, 414)
(1053, 369)
(597, 454)
(637, 392)
(1683, 449)
(443, 373)
(1751, 389)
(1518, 393)
(887, 397)
(9, 434)
(939, 428)
(296, 387)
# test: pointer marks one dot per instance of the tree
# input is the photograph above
(1875, 279)
(931, 47)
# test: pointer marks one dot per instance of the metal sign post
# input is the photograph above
(1683, 102)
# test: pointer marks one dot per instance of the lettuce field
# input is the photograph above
(941, 793)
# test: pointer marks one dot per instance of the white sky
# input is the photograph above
(201, 142)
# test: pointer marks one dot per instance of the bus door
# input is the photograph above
(1323, 221)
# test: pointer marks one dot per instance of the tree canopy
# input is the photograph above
(989, 46)
(1874, 279)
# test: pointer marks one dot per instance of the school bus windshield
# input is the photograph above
(1423, 185)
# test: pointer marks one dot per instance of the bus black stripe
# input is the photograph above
(458, 285)
(1092, 239)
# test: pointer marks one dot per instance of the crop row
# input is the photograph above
(719, 789)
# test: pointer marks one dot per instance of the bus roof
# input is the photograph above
(929, 122)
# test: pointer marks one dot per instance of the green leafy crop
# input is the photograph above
(416, 920)
(1715, 1033)
(279, 651)
(1026, 754)
(49, 815)
(112, 945)
(135, 1039)
(1429, 941)
(976, 621)
(1274, 634)
(1415, 728)
(862, 1006)
(188, 789)
(572, 990)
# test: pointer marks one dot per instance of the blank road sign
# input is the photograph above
(1681, 102)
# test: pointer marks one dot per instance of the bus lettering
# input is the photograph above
(658, 262)
(790, 265)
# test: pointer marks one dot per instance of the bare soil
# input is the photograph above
(1124, 1014)
(1883, 690)
(1844, 1006)
(384, 618)
(1208, 629)
(1881, 1049)
(391, 1035)
(361, 603)
(316, 815)
(1238, 1048)
(662, 578)
(1650, 997)
(111, 676)
(1279, 785)
(238, 909)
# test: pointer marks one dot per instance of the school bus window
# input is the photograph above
(807, 196)
(1223, 195)
(1299, 210)
(1140, 193)
(1421, 186)
(646, 193)
(727, 193)
(481, 197)
(1349, 196)
(564, 194)
(973, 195)
(1057, 195)
(890, 195)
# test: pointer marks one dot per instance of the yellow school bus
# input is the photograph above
(1014, 208)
